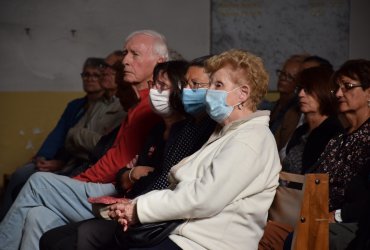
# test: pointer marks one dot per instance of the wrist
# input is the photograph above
(130, 176)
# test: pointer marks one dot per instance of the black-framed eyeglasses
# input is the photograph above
(286, 75)
(194, 85)
(87, 75)
(345, 86)
(160, 86)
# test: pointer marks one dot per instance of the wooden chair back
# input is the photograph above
(301, 201)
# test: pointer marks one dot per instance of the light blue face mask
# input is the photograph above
(194, 100)
(216, 105)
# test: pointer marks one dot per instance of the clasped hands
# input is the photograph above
(125, 213)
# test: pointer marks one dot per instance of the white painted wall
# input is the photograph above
(39, 51)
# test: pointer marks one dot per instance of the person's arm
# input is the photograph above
(129, 141)
(55, 140)
(82, 139)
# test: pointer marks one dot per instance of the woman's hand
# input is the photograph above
(140, 171)
(125, 213)
(128, 178)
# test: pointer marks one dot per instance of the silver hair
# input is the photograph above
(160, 43)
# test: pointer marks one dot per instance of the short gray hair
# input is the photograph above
(160, 44)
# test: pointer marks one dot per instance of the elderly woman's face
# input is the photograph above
(222, 79)
(351, 96)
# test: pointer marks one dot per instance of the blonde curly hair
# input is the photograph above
(252, 71)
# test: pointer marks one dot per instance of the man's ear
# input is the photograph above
(161, 59)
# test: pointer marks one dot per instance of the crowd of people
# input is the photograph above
(193, 142)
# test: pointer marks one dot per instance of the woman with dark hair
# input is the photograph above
(347, 158)
(319, 107)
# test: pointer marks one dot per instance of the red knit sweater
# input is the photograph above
(130, 138)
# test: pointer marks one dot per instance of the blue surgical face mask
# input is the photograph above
(194, 100)
(216, 105)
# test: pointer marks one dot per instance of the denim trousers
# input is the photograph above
(16, 181)
(46, 201)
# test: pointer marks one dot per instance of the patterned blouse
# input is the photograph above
(344, 157)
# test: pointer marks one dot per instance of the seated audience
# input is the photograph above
(179, 138)
(102, 117)
(55, 140)
(348, 155)
(293, 117)
(48, 200)
(224, 190)
(319, 107)
(286, 85)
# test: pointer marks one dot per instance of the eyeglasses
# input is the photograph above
(87, 75)
(299, 88)
(194, 85)
(160, 86)
(286, 75)
(345, 86)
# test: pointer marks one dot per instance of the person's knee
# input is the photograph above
(23, 173)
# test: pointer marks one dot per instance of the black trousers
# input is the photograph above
(94, 234)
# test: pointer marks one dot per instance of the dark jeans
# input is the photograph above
(89, 235)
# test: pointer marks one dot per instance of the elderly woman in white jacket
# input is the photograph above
(224, 190)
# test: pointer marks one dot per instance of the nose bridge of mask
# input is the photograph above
(191, 96)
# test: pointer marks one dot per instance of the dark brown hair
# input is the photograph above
(317, 81)
(358, 69)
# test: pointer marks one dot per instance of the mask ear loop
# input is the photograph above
(241, 105)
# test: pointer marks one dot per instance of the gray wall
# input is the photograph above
(43, 43)
(359, 41)
(276, 30)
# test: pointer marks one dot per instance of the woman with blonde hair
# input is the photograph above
(224, 190)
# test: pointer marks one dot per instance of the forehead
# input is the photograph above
(140, 42)
(195, 71)
(292, 66)
(344, 78)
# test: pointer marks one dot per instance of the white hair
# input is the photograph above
(160, 43)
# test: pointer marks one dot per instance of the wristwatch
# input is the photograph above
(338, 215)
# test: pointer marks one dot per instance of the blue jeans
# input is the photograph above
(46, 201)
(17, 180)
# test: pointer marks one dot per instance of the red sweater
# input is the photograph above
(130, 138)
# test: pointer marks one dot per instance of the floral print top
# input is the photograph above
(344, 157)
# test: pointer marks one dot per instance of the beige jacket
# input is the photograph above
(224, 190)
(103, 116)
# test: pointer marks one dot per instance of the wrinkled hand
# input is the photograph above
(48, 165)
(124, 213)
(140, 171)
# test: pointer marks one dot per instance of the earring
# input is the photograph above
(240, 105)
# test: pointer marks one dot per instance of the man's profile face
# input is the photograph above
(287, 80)
(139, 59)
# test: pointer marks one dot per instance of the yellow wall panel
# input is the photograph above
(26, 118)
